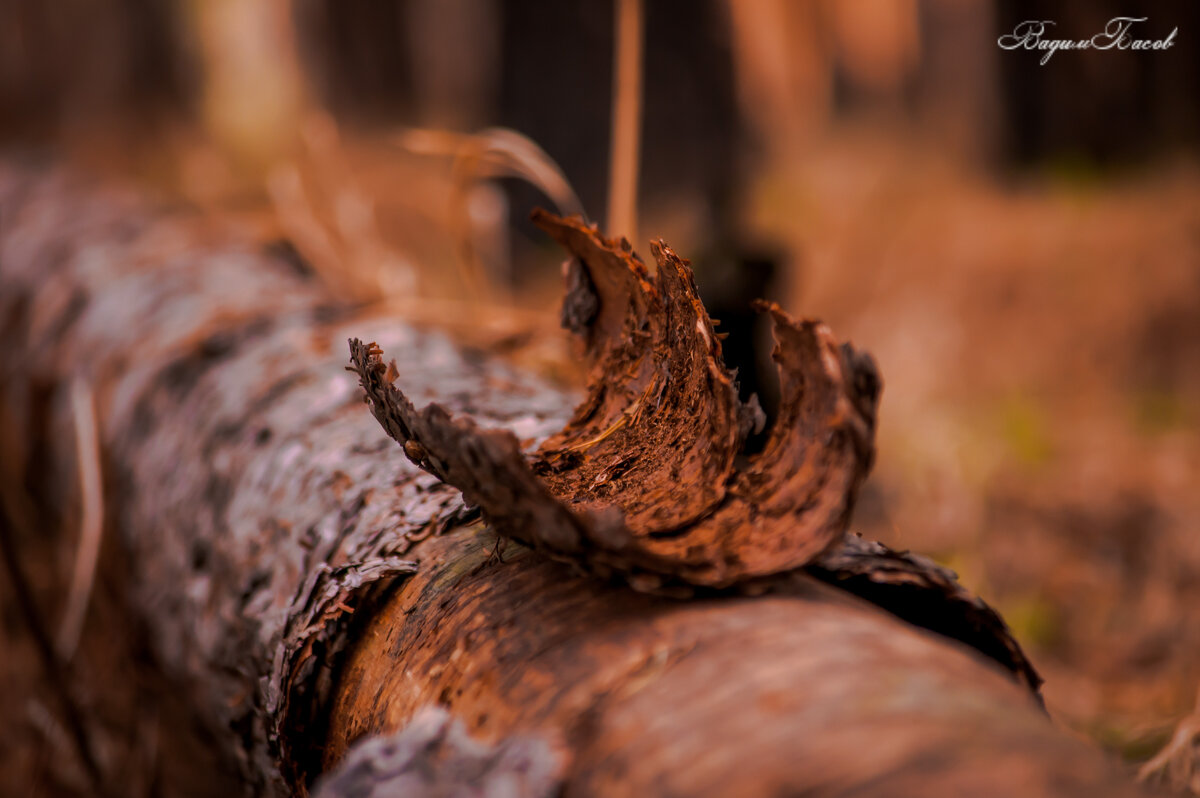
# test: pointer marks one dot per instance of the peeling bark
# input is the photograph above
(644, 480)
(311, 587)
(925, 594)
(433, 757)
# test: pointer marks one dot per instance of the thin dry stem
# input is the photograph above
(626, 121)
(332, 220)
(497, 152)
(632, 412)
(91, 527)
(1177, 765)
(54, 669)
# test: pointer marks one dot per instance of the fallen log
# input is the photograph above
(312, 587)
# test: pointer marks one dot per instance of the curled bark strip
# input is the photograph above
(434, 757)
(644, 479)
(660, 427)
(794, 499)
(925, 594)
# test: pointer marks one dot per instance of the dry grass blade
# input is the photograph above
(298, 218)
(1177, 765)
(91, 527)
(494, 152)
(497, 152)
(54, 669)
(332, 219)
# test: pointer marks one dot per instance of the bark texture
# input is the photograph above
(313, 586)
(246, 477)
(805, 690)
(645, 480)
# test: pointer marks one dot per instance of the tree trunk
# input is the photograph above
(311, 586)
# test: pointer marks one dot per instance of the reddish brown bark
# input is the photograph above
(645, 480)
(806, 690)
(311, 585)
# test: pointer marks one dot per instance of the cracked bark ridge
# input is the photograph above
(434, 757)
(645, 480)
(925, 594)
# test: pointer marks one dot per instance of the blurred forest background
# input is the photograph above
(1018, 245)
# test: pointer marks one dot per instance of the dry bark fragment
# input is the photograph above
(644, 480)
(925, 594)
(433, 757)
(659, 429)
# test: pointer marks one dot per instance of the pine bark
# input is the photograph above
(312, 586)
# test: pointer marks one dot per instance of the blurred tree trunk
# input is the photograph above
(253, 91)
(308, 586)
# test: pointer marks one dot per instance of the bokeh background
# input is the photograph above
(1018, 244)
